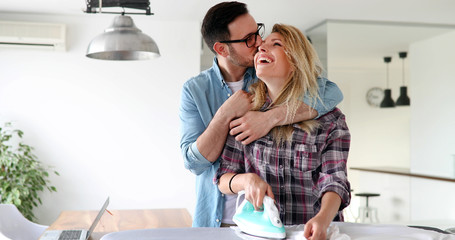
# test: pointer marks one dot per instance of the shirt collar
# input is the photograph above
(249, 74)
(217, 70)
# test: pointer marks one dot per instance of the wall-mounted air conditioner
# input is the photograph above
(31, 34)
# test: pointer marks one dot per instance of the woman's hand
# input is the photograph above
(255, 190)
(315, 229)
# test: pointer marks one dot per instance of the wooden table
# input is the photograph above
(121, 220)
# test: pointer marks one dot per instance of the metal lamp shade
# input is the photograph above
(387, 101)
(122, 41)
(403, 99)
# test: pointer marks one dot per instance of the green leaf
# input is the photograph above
(22, 176)
(20, 133)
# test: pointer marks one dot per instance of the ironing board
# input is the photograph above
(353, 230)
(174, 234)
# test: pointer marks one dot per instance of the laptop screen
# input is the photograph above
(98, 217)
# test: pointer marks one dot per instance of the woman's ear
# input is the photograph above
(221, 49)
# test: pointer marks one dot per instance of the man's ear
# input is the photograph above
(221, 49)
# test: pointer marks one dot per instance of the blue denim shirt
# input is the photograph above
(201, 97)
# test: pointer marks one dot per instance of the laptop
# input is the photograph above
(80, 234)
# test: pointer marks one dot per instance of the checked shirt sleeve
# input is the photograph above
(231, 159)
(333, 176)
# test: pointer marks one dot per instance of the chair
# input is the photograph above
(14, 226)
(2, 237)
(367, 212)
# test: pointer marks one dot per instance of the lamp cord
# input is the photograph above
(403, 72)
(387, 84)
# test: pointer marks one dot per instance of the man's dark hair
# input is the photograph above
(215, 24)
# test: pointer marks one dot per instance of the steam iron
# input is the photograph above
(265, 223)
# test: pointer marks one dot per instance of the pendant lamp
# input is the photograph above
(122, 41)
(387, 102)
(403, 99)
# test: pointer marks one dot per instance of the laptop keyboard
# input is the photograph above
(70, 235)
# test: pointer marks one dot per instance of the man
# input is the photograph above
(211, 107)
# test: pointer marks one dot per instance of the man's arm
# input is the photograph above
(201, 143)
(330, 95)
(255, 124)
(211, 142)
(192, 126)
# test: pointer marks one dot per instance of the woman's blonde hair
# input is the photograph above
(306, 68)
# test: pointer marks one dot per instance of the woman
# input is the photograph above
(302, 166)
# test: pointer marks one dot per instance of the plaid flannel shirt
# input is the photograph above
(299, 172)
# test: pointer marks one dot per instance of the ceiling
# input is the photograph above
(301, 13)
(350, 44)
(304, 14)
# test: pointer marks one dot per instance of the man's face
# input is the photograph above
(239, 53)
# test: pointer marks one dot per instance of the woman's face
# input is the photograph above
(271, 63)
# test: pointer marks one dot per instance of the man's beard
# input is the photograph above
(239, 60)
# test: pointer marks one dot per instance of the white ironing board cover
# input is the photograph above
(174, 234)
(343, 230)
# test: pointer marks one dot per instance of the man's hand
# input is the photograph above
(237, 105)
(255, 190)
(252, 126)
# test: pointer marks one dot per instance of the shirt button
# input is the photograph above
(222, 194)
(281, 166)
(217, 220)
(282, 186)
(229, 94)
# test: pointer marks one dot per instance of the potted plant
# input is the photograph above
(22, 176)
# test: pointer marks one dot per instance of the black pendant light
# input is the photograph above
(387, 102)
(403, 99)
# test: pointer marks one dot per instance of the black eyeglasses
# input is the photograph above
(250, 40)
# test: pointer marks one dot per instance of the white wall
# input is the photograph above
(433, 126)
(110, 128)
(419, 137)
(379, 136)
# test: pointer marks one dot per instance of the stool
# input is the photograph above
(367, 212)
